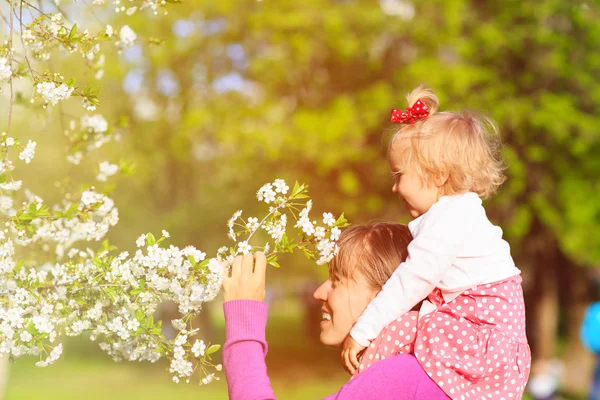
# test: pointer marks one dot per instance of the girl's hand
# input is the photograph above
(247, 280)
(350, 353)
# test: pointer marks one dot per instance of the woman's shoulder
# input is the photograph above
(390, 379)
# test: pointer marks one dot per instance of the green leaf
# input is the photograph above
(284, 241)
(202, 265)
(98, 262)
(73, 33)
(308, 254)
(341, 221)
(31, 328)
(150, 239)
(19, 265)
(139, 315)
(213, 349)
(296, 188)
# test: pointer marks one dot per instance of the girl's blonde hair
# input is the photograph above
(374, 251)
(464, 145)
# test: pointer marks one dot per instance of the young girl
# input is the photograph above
(470, 332)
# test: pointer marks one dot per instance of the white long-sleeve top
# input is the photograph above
(454, 248)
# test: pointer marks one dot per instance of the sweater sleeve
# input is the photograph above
(437, 239)
(245, 350)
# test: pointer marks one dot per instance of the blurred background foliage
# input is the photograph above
(241, 92)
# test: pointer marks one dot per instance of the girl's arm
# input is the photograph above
(438, 238)
(398, 377)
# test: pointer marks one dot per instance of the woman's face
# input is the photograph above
(343, 303)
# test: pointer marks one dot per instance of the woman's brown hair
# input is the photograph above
(374, 250)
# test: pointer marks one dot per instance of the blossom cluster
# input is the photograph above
(317, 241)
(113, 297)
(91, 133)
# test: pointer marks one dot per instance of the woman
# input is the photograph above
(367, 257)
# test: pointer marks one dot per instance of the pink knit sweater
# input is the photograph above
(397, 377)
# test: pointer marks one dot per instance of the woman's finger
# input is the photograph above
(260, 264)
(236, 267)
(247, 265)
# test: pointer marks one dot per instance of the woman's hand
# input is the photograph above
(247, 280)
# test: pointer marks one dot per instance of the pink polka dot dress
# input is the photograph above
(473, 347)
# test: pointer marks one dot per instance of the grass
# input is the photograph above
(78, 379)
(299, 368)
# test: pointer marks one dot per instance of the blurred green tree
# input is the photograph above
(245, 90)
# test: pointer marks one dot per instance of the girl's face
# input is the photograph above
(343, 303)
(416, 194)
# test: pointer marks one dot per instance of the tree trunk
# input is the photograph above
(543, 306)
(579, 362)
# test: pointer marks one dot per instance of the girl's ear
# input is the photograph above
(441, 177)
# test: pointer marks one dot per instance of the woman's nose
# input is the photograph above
(395, 188)
(322, 291)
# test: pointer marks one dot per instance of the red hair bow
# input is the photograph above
(411, 114)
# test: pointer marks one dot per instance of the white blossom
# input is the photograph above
(127, 37)
(335, 233)
(89, 197)
(75, 158)
(280, 186)
(28, 153)
(252, 224)
(328, 219)
(266, 193)
(244, 247)
(52, 94)
(6, 203)
(5, 71)
(106, 169)
(14, 185)
(95, 123)
(198, 348)
(141, 241)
